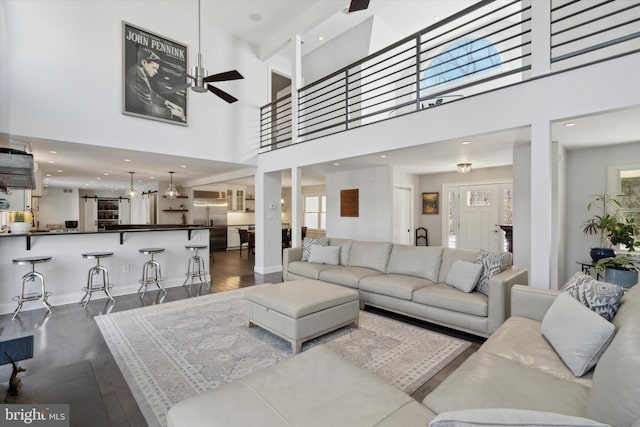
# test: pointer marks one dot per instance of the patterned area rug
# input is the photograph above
(168, 352)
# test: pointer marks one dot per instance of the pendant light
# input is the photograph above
(463, 167)
(132, 192)
(171, 192)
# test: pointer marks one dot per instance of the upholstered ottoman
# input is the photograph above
(301, 309)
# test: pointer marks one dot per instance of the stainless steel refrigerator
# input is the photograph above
(210, 209)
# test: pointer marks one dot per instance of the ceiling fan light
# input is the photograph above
(463, 167)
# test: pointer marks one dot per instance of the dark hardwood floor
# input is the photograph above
(72, 363)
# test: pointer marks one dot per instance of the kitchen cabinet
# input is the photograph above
(233, 237)
(235, 199)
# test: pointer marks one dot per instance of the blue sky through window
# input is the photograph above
(464, 59)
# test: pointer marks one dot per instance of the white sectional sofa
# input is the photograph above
(411, 281)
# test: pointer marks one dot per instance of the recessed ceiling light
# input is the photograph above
(98, 178)
(568, 125)
(59, 170)
(384, 156)
(106, 174)
(152, 177)
(320, 38)
(183, 166)
(48, 174)
(127, 160)
(466, 142)
(255, 17)
(53, 152)
(51, 161)
(336, 164)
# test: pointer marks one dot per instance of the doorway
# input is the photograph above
(402, 215)
(474, 213)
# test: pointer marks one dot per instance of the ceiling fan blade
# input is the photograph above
(222, 94)
(177, 88)
(220, 77)
(357, 5)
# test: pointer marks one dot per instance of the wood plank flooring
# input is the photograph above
(70, 336)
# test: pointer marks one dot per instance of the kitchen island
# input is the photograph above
(66, 274)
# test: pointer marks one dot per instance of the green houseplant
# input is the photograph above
(621, 270)
(611, 230)
(18, 224)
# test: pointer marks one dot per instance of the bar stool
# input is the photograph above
(43, 295)
(196, 266)
(95, 271)
(151, 271)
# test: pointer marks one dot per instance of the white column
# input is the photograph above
(540, 36)
(296, 207)
(296, 83)
(541, 205)
(268, 256)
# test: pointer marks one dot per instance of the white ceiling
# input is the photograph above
(82, 164)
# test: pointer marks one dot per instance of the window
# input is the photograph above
(464, 59)
(630, 189)
(315, 212)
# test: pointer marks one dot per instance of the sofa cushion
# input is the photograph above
(345, 247)
(325, 254)
(616, 382)
(347, 276)
(394, 285)
(520, 339)
(449, 256)
(308, 269)
(491, 265)
(308, 243)
(419, 261)
(373, 255)
(509, 418)
(485, 380)
(601, 297)
(578, 335)
(464, 275)
(443, 296)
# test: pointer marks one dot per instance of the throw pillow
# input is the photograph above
(308, 242)
(577, 334)
(602, 297)
(509, 417)
(324, 254)
(464, 275)
(492, 265)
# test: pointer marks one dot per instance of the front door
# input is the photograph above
(479, 216)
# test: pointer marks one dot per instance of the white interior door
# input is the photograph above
(479, 215)
(90, 215)
(402, 216)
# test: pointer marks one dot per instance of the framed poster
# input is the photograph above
(349, 203)
(430, 203)
(152, 65)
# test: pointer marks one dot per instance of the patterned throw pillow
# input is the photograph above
(492, 265)
(308, 242)
(601, 297)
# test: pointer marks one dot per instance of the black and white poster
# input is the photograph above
(151, 66)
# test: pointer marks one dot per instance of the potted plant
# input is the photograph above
(18, 225)
(601, 223)
(612, 230)
(621, 270)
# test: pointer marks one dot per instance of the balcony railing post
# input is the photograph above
(418, 39)
(346, 99)
(295, 86)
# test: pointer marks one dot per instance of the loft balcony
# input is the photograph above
(490, 45)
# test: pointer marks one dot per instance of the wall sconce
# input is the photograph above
(464, 167)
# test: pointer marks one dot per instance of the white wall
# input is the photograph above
(522, 205)
(66, 78)
(375, 197)
(56, 206)
(5, 80)
(586, 176)
(434, 182)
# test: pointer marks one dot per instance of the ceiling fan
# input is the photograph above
(357, 5)
(199, 77)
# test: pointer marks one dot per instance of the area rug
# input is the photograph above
(17, 349)
(171, 351)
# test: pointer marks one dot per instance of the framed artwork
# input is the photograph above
(349, 203)
(152, 66)
(430, 203)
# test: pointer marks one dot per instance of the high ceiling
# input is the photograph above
(268, 25)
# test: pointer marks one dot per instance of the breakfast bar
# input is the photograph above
(66, 273)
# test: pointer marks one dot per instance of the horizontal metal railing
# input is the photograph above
(481, 48)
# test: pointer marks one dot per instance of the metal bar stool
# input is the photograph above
(151, 271)
(43, 295)
(196, 266)
(95, 271)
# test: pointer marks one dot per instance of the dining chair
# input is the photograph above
(245, 237)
